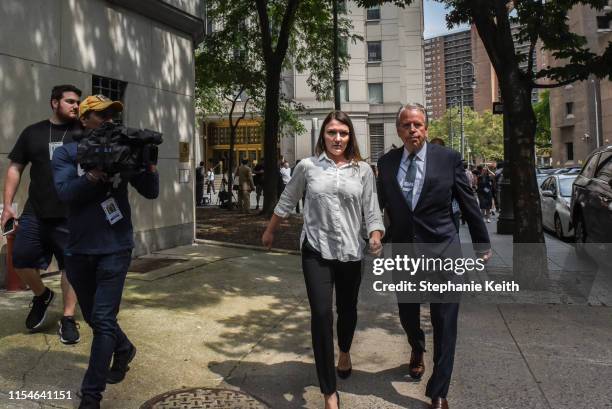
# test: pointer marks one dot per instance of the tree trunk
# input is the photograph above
(529, 253)
(271, 119)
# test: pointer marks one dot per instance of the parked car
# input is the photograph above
(541, 177)
(556, 193)
(591, 204)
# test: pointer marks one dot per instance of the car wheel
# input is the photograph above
(581, 237)
(558, 227)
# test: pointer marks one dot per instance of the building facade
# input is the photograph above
(386, 70)
(579, 119)
(435, 82)
(138, 51)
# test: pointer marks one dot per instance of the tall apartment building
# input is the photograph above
(458, 48)
(435, 82)
(579, 118)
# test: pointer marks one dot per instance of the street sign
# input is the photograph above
(498, 108)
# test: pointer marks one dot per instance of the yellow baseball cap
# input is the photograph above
(98, 103)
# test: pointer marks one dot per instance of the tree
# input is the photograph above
(227, 75)
(547, 22)
(483, 133)
(543, 139)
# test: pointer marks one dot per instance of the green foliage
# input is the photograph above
(483, 133)
(543, 139)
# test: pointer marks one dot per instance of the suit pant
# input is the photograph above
(321, 277)
(244, 200)
(444, 323)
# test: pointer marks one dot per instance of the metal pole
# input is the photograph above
(336, 62)
(595, 96)
(313, 135)
(462, 141)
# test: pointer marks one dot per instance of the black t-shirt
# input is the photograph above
(199, 176)
(34, 146)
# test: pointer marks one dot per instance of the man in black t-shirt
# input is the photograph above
(258, 179)
(200, 174)
(42, 230)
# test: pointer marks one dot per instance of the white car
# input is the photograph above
(556, 191)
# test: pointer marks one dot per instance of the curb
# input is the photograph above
(247, 247)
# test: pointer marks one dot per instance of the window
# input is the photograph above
(604, 170)
(603, 23)
(373, 13)
(343, 46)
(110, 88)
(377, 141)
(569, 109)
(374, 51)
(589, 168)
(569, 149)
(375, 93)
(344, 91)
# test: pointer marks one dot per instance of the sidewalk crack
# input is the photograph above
(40, 358)
(523, 357)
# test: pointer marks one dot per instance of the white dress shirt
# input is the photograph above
(340, 200)
(420, 161)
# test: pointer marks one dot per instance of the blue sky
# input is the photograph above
(435, 24)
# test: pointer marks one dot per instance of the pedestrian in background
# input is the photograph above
(210, 181)
(285, 172)
(246, 186)
(341, 197)
(199, 180)
(258, 180)
(485, 192)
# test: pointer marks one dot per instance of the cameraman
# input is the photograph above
(99, 248)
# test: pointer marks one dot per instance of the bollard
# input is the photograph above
(13, 282)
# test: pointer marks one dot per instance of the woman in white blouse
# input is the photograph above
(340, 201)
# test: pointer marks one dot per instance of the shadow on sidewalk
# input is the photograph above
(280, 385)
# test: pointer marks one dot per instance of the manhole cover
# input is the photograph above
(203, 398)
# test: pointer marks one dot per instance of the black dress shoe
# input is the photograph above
(416, 367)
(439, 403)
(88, 402)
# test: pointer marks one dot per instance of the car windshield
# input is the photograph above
(565, 186)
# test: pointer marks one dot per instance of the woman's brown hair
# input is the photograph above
(352, 149)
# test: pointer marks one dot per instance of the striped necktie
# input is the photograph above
(408, 185)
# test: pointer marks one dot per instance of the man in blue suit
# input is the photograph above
(416, 185)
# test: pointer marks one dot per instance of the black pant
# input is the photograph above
(98, 282)
(444, 323)
(321, 275)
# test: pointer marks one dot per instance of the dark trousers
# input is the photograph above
(199, 196)
(321, 276)
(98, 282)
(444, 323)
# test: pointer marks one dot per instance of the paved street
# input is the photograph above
(234, 318)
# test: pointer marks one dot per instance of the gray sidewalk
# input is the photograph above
(239, 319)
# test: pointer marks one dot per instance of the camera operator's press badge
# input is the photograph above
(52, 147)
(111, 209)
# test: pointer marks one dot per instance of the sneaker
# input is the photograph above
(68, 331)
(120, 365)
(38, 313)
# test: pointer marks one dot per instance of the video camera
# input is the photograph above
(114, 148)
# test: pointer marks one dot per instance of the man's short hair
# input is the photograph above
(245, 161)
(58, 91)
(412, 106)
(201, 163)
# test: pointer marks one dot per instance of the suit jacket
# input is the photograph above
(245, 178)
(431, 220)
